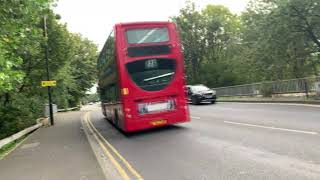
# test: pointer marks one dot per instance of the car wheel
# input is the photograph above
(194, 100)
(213, 101)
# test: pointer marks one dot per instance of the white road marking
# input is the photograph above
(272, 103)
(270, 127)
(195, 117)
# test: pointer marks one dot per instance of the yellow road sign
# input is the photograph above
(48, 83)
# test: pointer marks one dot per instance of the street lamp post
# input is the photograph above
(45, 33)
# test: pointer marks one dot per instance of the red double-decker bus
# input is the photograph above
(141, 76)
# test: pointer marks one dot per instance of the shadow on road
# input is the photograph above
(153, 131)
(202, 104)
(164, 129)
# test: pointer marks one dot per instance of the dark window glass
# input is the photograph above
(109, 50)
(148, 50)
(101, 59)
(150, 35)
(110, 94)
(109, 90)
(152, 74)
(107, 54)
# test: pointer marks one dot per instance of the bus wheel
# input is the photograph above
(116, 117)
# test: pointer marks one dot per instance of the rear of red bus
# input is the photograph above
(151, 75)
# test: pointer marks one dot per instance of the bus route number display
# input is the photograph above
(151, 63)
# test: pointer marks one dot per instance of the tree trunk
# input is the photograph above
(6, 99)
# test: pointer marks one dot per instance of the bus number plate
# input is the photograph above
(157, 106)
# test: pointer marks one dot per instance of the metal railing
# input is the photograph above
(302, 85)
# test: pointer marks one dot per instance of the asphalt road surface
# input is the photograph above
(226, 141)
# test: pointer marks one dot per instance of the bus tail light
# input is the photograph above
(125, 91)
(148, 108)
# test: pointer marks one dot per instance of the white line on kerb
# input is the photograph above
(270, 127)
(195, 117)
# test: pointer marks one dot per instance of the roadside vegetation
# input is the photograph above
(271, 40)
(72, 60)
(6, 149)
(90, 98)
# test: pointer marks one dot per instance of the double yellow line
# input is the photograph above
(113, 160)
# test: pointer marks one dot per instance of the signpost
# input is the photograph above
(48, 83)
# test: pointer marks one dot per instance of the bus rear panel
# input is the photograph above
(145, 88)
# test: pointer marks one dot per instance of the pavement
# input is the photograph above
(226, 141)
(54, 153)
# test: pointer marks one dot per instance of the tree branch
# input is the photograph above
(308, 27)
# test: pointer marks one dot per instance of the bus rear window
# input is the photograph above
(152, 74)
(150, 35)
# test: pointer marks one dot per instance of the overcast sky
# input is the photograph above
(94, 18)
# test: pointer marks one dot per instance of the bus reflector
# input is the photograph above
(158, 122)
(125, 91)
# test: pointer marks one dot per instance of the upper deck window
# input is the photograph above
(150, 35)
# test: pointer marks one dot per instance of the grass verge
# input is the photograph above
(5, 150)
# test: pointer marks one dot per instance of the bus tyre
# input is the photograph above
(116, 118)
(194, 100)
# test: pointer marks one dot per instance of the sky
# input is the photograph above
(94, 19)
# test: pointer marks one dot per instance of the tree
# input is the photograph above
(191, 29)
(19, 22)
(20, 39)
(78, 75)
(305, 15)
(276, 47)
(209, 39)
(22, 66)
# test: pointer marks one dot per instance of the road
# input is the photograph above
(226, 141)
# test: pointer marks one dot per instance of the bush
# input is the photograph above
(13, 120)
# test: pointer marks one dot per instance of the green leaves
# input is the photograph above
(78, 75)
(22, 62)
(9, 77)
(280, 38)
(17, 18)
(208, 39)
(271, 40)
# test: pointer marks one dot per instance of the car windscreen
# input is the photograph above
(149, 35)
(152, 74)
(199, 88)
